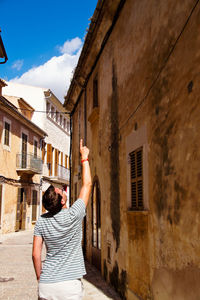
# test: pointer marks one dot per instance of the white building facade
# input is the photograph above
(49, 115)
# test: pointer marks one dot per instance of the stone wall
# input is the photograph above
(148, 85)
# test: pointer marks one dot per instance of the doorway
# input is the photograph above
(21, 210)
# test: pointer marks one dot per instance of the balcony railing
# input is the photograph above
(62, 173)
(28, 163)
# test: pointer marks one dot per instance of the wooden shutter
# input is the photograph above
(61, 159)
(49, 154)
(56, 163)
(66, 161)
(136, 159)
(7, 134)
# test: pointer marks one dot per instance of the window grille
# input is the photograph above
(136, 161)
(7, 134)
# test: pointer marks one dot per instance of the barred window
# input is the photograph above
(7, 134)
(136, 161)
(34, 206)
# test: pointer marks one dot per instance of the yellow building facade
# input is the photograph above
(134, 98)
(21, 165)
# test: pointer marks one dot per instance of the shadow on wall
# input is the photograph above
(118, 281)
(94, 277)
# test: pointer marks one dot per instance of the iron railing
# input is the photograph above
(63, 172)
(29, 162)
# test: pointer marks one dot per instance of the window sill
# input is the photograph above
(137, 212)
(94, 116)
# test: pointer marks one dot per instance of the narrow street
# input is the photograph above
(17, 277)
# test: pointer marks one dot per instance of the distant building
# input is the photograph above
(48, 113)
(20, 166)
(134, 97)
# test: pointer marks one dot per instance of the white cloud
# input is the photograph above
(56, 73)
(18, 64)
(71, 46)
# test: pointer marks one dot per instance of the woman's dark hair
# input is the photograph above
(52, 201)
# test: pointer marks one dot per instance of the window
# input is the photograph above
(95, 92)
(56, 162)
(34, 206)
(35, 148)
(24, 150)
(61, 161)
(7, 134)
(136, 161)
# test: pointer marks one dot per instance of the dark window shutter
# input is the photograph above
(136, 161)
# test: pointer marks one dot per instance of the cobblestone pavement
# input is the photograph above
(17, 276)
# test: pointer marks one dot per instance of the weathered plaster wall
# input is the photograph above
(8, 170)
(149, 76)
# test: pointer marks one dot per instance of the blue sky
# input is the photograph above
(43, 40)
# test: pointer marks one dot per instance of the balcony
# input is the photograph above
(28, 163)
(61, 175)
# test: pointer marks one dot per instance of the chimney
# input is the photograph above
(2, 84)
